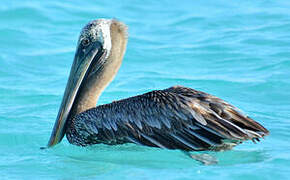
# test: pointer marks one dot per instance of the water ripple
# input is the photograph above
(236, 50)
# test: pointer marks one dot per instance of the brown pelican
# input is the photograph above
(173, 118)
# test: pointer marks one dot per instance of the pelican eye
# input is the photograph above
(85, 42)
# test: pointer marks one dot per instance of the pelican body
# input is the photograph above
(173, 118)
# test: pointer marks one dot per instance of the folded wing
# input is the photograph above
(174, 118)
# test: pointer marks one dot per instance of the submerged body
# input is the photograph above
(173, 118)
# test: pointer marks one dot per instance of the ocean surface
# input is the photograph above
(237, 50)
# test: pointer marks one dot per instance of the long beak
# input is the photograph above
(80, 68)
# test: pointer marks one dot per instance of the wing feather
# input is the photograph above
(174, 118)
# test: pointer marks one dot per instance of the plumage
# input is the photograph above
(173, 118)
(189, 116)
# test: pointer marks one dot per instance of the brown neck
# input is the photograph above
(96, 83)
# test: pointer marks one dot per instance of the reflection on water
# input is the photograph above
(240, 157)
(135, 155)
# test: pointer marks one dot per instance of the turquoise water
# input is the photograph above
(236, 50)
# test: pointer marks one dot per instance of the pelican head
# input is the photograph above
(100, 50)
